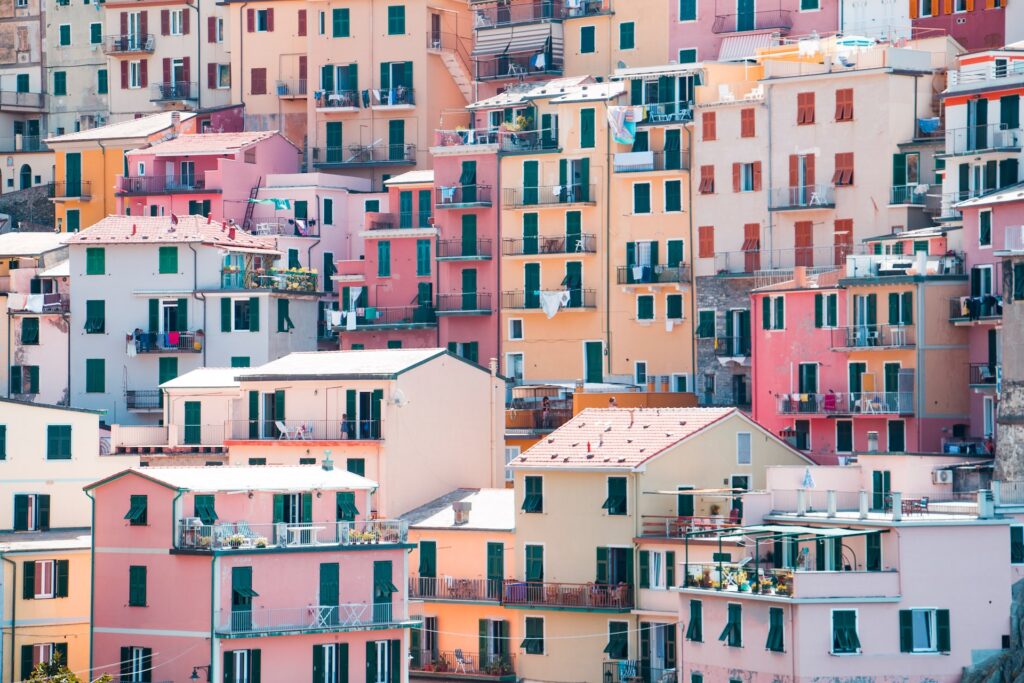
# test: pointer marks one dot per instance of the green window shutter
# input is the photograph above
(534, 563)
(284, 322)
(645, 307)
(422, 257)
(95, 316)
(137, 586)
(293, 257)
(329, 584)
(642, 198)
(181, 322)
(894, 308)
(645, 568)
(225, 314)
(776, 639)
(356, 466)
(602, 565)
(428, 559)
(328, 212)
(254, 314)
(3, 442)
(26, 662)
(384, 258)
(346, 503)
(670, 568)
(766, 313)
(907, 306)
(673, 195)
(832, 301)
(102, 82)
(279, 413)
(687, 10)
(942, 630)
(906, 630)
(872, 309)
(328, 269)
(95, 380)
(627, 37)
(29, 331)
(780, 313)
(587, 132)
(340, 23)
(58, 442)
(818, 310)
(168, 369)
(60, 83)
(205, 509)
(674, 306)
(396, 20)
(20, 512)
(318, 654)
(1017, 544)
(307, 508)
(28, 579)
(587, 40)
(327, 80)
(168, 260)
(95, 261)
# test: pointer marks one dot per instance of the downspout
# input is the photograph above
(242, 27)
(607, 249)
(9, 320)
(14, 612)
(199, 57)
(195, 295)
(770, 235)
(693, 277)
(497, 257)
(103, 154)
(66, 317)
(92, 582)
(213, 616)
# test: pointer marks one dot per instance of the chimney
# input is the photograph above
(461, 510)
(327, 463)
(800, 277)
(175, 122)
(135, 229)
(231, 233)
(493, 365)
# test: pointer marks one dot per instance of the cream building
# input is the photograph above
(76, 66)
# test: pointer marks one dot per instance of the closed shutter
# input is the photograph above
(225, 315)
(254, 314)
(645, 568)
(28, 578)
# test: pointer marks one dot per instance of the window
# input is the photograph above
(137, 586)
(645, 307)
(709, 128)
(95, 376)
(240, 361)
(95, 316)
(1017, 544)
(688, 55)
(217, 26)
(168, 260)
(673, 196)
(985, 228)
(138, 510)
(924, 8)
(804, 108)
(22, 83)
(533, 643)
(24, 379)
(747, 125)
(31, 512)
(896, 431)
(534, 562)
(223, 76)
(743, 456)
(746, 177)
(44, 579)
(707, 179)
(773, 313)
(657, 569)
(29, 331)
(640, 373)
(732, 634)
(615, 502)
(706, 324)
(515, 329)
(243, 666)
(384, 258)
(641, 198)
(688, 10)
(587, 132)
(826, 310)
(396, 20)
(627, 35)
(843, 174)
(284, 321)
(844, 104)
(64, 35)
(924, 630)
(134, 74)
(356, 466)
(3, 442)
(60, 83)
(809, 5)
(695, 629)
(776, 638)
(706, 241)
(618, 640)
(102, 82)
(422, 257)
(901, 308)
(95, 33)
(258, 81)
(844, 632)
(674, 306)
(587, 40)
(533, 499)
(960, 6)
(264, 21)
(340, 22)
(328, 213)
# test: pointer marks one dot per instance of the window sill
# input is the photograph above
(846, 654)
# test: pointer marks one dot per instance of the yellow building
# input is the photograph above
(87, 163)
(633, 34)
(46, 593)
(464, 552)
(596, 516)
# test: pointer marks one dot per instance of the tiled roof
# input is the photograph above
(249, 478)
(132, 128)
(592, 92)
(489, 509)
(161, 229)
(370, 364)
(618, 437)
(206, 143)
(204, 378)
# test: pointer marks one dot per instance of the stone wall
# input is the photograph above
(31, 208)
(721, 293)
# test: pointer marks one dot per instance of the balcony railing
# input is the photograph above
(636, 162)
(298, 87)
(639, 671)
(399, 96)
(576, 244)
(305, 430)
(778, 19)
(455, 589)
(664, 526)
(899, 265)
(129, 44)
(874, 337)
(282, 226)
(520, 300)
(855, 403)
(549, 194)
(458, 196)
(528, 140)
(126, 437)
(915, 194)
(70, 190)
(581, 595)
(801, 502)
(155, 184)
(180, 90)
(820, 196)
(283, 280)
(516, 66)
(308, 619)
(337, 99)
(732, 347)
(517, 13)
(464, 663)
(990, 137)
(30, 100)
(364, 155)
(667, 112)
(23, 143)
(986, 71)
(463, 250)
(756, 260)
(535, 420)
(192, 534)
(168, 342)
(144, 399)
(53, 302)
(975, 308)
(465, 136)
(465, 303)
(395, 317)
(640, 275)
(984, 374)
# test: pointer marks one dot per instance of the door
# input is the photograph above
(135, 37)
(469, 243)
(428, 568)
(188, 175)
(178, 84)
(744, 15)
(593, 353)
(514, 367)
(856, 373)
(467, 181)
(73, 174)
(495, 569)
(435, 30)
(531, 285)
(574, 283)
(530, 182)
(469, 302)
(25, 177)
(396, 140)
(684, 502)
(740, 482)
(739, 390)
(573, 232)
(880, 489)
(241, 599)
(193, 423)
(333, 151)
(891, 379)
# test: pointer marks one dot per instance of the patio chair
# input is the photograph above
(245, 530)
(285, 432)
(463, 661)
(221, 532)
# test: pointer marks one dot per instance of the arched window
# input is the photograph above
(26, 177)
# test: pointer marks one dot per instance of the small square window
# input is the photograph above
(515, 329)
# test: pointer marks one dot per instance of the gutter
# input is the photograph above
(693, 275)
(92, 581)
(14, 613)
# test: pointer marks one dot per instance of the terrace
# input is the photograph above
(275, 279)
(804, 197)
(463, 250)
(873, 337)
(192, 535)
(584, 596)
(451, 589)
(585, 243)
(168, 342)
(986, 309)
(422, 316)
(161, 184)
(463, 665)
(846, 404)
(522, 300)
(527, 413)
(464, 303)
(462, 197)
(984, 376)
(304, 430)
(639, 162)
(550, 195)
(354, 616)
(144, 400)
(650, 275)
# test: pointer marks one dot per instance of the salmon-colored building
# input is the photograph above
(286, 574)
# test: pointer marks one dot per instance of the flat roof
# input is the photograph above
(36, 541)
(424, 177)
(205, 143)
(370, 364)
(172, 229)
(50, 406)
(489, 510)
(233, 478)
(30, 243)
(204, 378)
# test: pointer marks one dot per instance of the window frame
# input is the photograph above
(750, 449)
(512, 324)
(856, 628)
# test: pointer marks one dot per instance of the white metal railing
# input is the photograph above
(1013, 238)
(200, 435)
(986, 72)
(851, 403)
(310, 618)
(990, 136)
(894, 504)
(133, 436)
(241, 535)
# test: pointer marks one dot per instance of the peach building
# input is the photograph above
(375, 117)
(841, 561)
(604, 35)
(288, 573)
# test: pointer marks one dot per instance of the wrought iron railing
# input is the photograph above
(584, 243)
(455, 196)
(129, 43)
(341, 429)
(356, 155)
(464, 249)
(637, 275)
(753, 21)
(179, 90)
(578, 298)
(544, 594)
(152, 184)
(464, 302)
(821, 195)
(874, 337)
(852, 403)
(455, 589)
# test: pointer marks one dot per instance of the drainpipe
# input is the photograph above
(92, 582)
(770, 235)
(103, 154)
(9, 321)
(241, 54)
(66, 317)
(497, 251)
(607, 249)
(493, 379)
(14, 611)
(199, 56)
(693, 276)
(195, 295)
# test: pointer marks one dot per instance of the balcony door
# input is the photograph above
(744, 15)
(977, 124)
(178, 82)
(134, 33)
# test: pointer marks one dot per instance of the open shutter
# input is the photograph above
(43, 503)
(254, 314)
(942, 629)
(26, 662)
(28, 585)
(279, 413)
(182, 316)
(818, 310)
(371, 660)
(645, 569)
(602, 566)
(62, 579)
(225, 315)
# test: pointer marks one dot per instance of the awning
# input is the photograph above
(736, 48)
(512, 40)
(751, 245)
(245, 592)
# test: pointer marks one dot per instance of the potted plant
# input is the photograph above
(204, 541)
(261, 542)
(236, 540)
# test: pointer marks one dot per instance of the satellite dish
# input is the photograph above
(399, 399)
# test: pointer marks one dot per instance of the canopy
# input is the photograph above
(738, 48)
(513, 40)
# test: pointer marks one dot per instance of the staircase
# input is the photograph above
(455, 56)
(249, 206)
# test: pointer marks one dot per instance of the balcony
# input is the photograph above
(297, 281)
(757, 260)
(129, 44)
(515, 67)
(292, 89)
(900, 265)
(13, 99)
(54, 302)
(665, 526)
(449, 589)
(732, 347)
(976, 310)
(405, 220)
(582, 596)
(461, 137)
(285, 227)
(171, 92)
(355, 156)
(144, 400)
(992, 137)
(639, 162)
(583, 243)
(873, 337)
(309, 619)
(138, 438)
(304, 430)
(202, 437)
(168, 342)
(734, 580)
(464, 250)
(852, 404)
(400, 97)
(805, 197)
(647, 275)
(464, 303)
(579, 299)
(61, 189)
(667, 112)
(984, 375)
(529, 416)
(915, 194)
(636, 671)
(979, 75)
(550, 195)
(462, 665)
(545, 140)
(394, 318)
(462, 196)
(23, 143)
(337, 100)
(193, 535)
(851, 504)
(162, 184)
(767, 20)
(517, 13)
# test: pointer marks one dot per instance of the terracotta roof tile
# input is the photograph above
(161, 229)
(206, 143)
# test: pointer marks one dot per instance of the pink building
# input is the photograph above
(210, 174)
(726, 30)
(236, 572)
(869, 359)
(844, 572)
(975, 24)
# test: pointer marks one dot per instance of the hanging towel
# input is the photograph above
(669, 324)
(447, 194)
(335, 317)
(550, 302)
(34, 303)
(350, 320)
(16, 302)
(557, 190)
(131, 346)
(173, 338)
(929, 125)
(638, 273)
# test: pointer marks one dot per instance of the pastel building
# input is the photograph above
(872, 362)
(820, 584)
(464, 543)
(602, 36)
(77, 74)
(34, 291)
(207, 174)
(46, 582)
(974, 24)
(375, 119)
(23, 104)
(290, 576)
(155, 297)
(601, 506)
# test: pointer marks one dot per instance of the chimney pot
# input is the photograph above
(800, 276)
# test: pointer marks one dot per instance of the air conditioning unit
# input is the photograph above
(942, 476)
